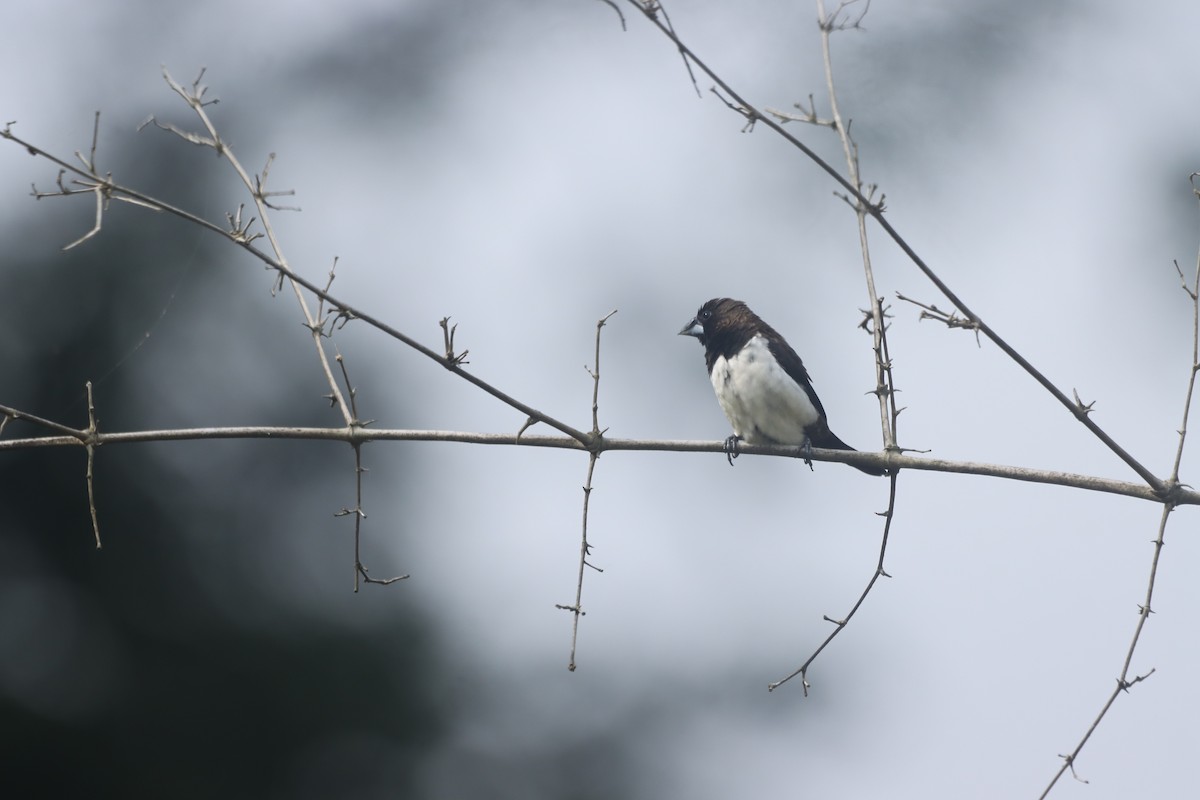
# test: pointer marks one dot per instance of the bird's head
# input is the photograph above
(716, 317)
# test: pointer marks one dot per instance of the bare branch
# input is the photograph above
(620, 15)
(198, 139)
(841, 19)
(260, 188)
(1145, 609)
(81, 436)
(747, 109)
(1123, 682)
(452, 359)
(357, 512)
(950, 319)
(194, 97)
(888, 461)
(653, 7)
(91, 457)
(98, 190)
(277, 263)
(595, 373)
(585, 548)
(873, 322)
(840, 624)
(806, 115)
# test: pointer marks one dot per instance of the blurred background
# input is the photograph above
(526, 168)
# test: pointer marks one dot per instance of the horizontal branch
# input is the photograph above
(358, 435)
(237, 235)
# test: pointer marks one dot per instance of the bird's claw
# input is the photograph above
(806, 453)
(731, 448)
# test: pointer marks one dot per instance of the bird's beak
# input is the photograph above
(693, 328)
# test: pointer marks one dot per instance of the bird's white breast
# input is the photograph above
(762, 402)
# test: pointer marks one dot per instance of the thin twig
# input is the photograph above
(837, 21)
(64, 430)
(840, 624)
(1124, 683)
(359, 515)
(884, 388)
(806, 115)
(612, 4)
(1193, 294)
(654, 6)
(358, 511)
(950, 319)
(585, 548)
(99, 190)
(92, 429)
(889, 377)
(595, 373)
(194, 97)
(1146, 608)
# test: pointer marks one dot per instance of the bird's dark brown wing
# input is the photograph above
(791, 363)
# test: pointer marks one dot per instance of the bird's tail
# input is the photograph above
(829, 441)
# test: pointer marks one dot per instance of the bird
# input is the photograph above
(760, 382)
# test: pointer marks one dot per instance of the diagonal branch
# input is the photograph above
(338, 308)
(753, 115)
(194, 97)
(1145, 609)
(840, 624)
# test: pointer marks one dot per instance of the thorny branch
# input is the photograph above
(90, 444)
(1145, 608)
(70, 437)
(256, 186)
(950, 319)
(238, 231)
(884, 379)
(585, 548)
(285, 271)
(876, 211)
(105, 189)
(448, 331)
(357, 512)
(840, 624)
(1166, 492)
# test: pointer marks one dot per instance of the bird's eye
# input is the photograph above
(705, 314)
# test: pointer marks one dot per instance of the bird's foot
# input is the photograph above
(731, 448)
(806, 453)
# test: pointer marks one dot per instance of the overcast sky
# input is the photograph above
(529, 167)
